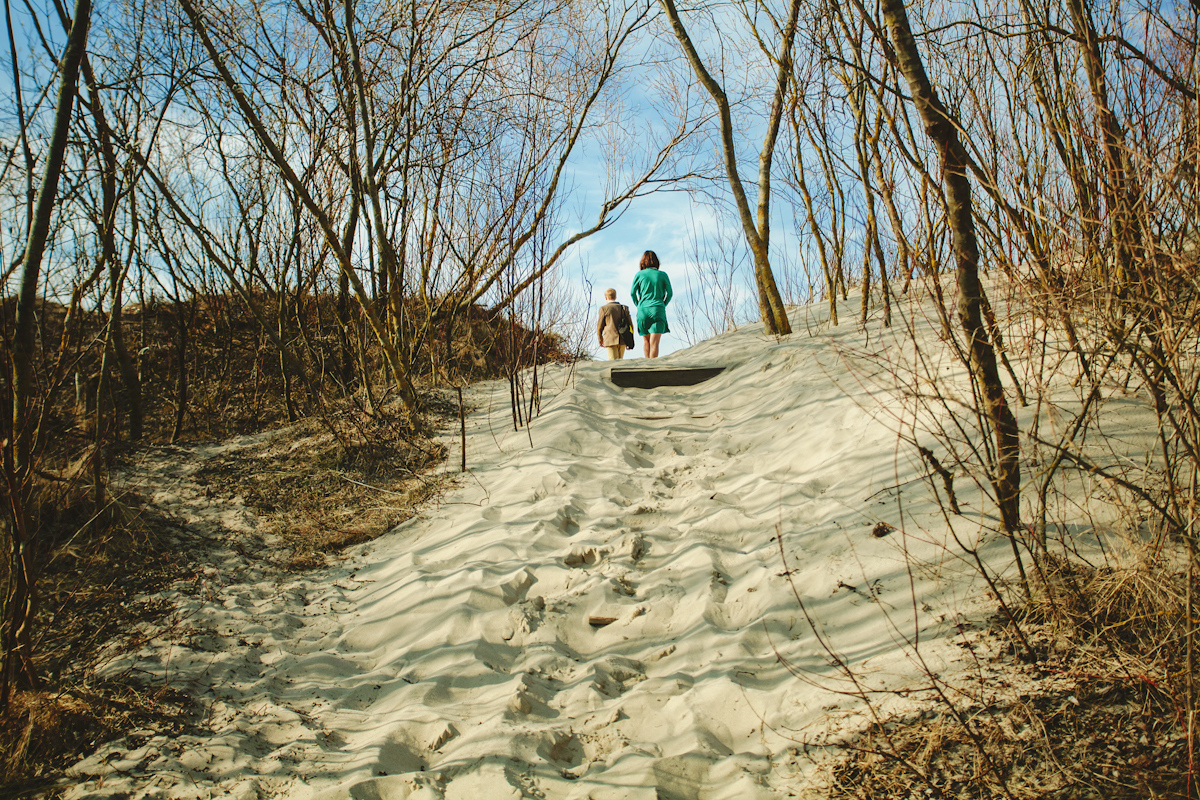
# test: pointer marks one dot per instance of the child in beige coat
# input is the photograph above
(614, 318)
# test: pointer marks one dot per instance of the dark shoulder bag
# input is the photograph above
(625, 328)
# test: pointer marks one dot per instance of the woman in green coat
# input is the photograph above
(650, 293)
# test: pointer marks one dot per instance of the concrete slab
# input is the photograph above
(653, 377)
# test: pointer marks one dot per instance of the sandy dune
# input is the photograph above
(598, 610)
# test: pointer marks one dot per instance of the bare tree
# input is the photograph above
(18, 600)
(452, 130)
(755, 227)
(943, 129)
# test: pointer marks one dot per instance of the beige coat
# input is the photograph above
(610, 318)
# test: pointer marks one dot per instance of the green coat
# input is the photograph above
(651, 292)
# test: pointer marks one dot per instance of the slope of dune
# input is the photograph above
(646, 593)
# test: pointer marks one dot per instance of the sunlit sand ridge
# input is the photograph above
(601, 608)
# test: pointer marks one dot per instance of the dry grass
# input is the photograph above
(338, 477)
(1098, 738)
(318, 487)
(1101, 716)
(1133, 617)
(43, 733)
(96, 572)
(323, 487)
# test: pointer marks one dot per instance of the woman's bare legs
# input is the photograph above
(652, 345)
(646, 344)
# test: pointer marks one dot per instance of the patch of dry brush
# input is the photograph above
(351, 468)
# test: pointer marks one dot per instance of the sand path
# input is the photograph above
(597, 611)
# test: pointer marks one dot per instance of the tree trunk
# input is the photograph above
(811, 216)
(392, 287)
(39, 234)
(18, 602)
(1006, 472)
(346, 352)
(1118, 186)
(398, 374)
(181, 372)
(125, 365)
(108, 257)
(16, 667)
(285, 373)
(758, 234)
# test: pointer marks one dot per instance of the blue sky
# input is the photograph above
(664, 223)
(669, 223)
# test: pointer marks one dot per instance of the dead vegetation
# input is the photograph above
(351, 467)
(95, 577)
(324, 486)
(1089, 719)
(1099, 618)
(317, 487)
(1088, 737)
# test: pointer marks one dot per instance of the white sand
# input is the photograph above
(454, 657)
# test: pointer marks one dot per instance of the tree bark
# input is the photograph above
(18, 602)
(181, 371)
(943, 131)
(109, 262)
(39, 233)
(811, 216)
(1119, 192)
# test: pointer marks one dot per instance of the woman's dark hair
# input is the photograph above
(649, 260)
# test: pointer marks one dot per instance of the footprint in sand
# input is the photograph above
(718, 586)
(398, 755)
(496, 657)
(586, 556)
(566, 522)
(638, 547)
(361, 697)
(567, 752)
(621, 492)
(686, 448)
(562, 520)
(635, 455)
(532, 697)
(515, 589)
(442, 692)
(612, 676)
